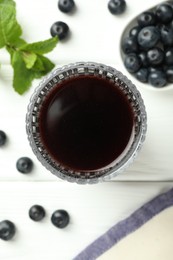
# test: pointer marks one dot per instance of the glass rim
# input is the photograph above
(78, 69)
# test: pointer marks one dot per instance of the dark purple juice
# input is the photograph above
(85, 123)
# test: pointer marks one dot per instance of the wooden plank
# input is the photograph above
(154, 161)
(93, 209)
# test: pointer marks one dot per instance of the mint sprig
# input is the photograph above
(27, 59)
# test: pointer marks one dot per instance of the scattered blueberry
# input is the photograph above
(148, 37)
(24, 165)
(164, 13)
(146, 19)
(142, 74)
(157, 79)
(117, 6)
(37, 213)
(66, 6)
(134, 32)
(132, 62)
(169, 74)
(59, 29)
(166, 35)
(7, 230)
(129, 45)
(3, 138)
(143, 57)
(169, 56)
(155, 56)
(60, 218)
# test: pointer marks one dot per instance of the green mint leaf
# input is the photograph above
(42, 66)
(38, 65)
(41, 47)
(17, 43)
(11, 50)
(48, 65)
(29, 59)
(22, 77)
(10, 30)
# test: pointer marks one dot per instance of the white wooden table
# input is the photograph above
(95, 36)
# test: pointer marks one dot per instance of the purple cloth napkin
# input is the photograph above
(127, 226)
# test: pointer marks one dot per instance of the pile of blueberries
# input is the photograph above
(148, 48)
(59, 218)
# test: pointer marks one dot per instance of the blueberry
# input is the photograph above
(155, 56)
(166, 35)
(170, 3)
(170, 24)
(164, 13)
(142, 74)
(134, 32)
(148, 37)
(143, 57)
(7, 230)
(37, 213)
(117, 6)
(146, 19)
(153, 69)
(129, 45)
(159, 26)
(24, 165)
(60, 218)
(132, 62)
(3, 138)
(169, 74)
(66, 6)
(157, 78)
(59, 29)
(169, 56)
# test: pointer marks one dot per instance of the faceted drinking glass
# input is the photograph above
(75, 70)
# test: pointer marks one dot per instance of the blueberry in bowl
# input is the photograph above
(146, 19)
(148, 37)
(132, 62)
(164, 13)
